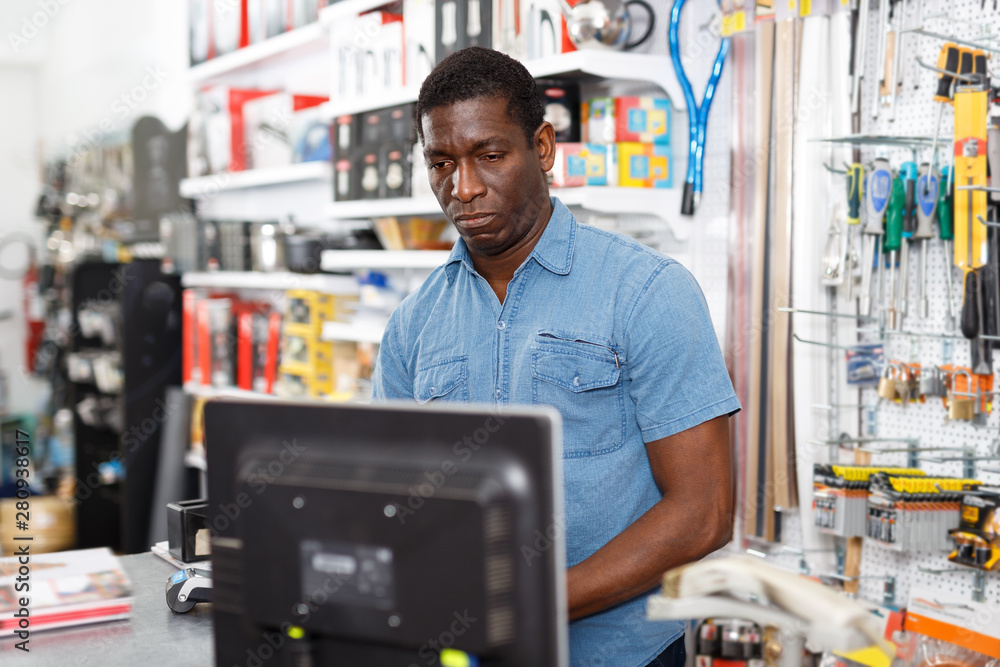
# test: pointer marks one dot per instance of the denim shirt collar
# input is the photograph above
(554, 251)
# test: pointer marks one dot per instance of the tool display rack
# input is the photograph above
(888, 424)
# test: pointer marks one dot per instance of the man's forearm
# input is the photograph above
(673, 532)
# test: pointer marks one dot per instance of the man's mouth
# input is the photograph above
(473, 220)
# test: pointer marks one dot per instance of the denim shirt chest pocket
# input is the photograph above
(582, 378)
(446, 380)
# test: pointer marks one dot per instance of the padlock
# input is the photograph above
(931, 382)
(962, 408)
(886, 385)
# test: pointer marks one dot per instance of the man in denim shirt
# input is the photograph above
(534, 308)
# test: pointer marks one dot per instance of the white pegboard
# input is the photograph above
(916, 115)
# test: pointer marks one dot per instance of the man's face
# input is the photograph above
(487, 177)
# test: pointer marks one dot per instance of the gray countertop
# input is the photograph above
(153, 636)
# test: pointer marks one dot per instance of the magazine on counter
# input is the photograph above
(65, 588)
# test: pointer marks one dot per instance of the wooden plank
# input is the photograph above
(781, 396)
(756, 421)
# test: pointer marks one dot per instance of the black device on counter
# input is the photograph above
(187, 587)
(360, 534)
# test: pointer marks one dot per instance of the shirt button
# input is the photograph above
(433, 390)
(501, 325)
(498, 394)
(576, 381)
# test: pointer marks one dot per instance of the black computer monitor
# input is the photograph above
(378, 536)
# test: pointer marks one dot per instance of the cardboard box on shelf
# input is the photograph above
(643, 165)
(570, 168)
(345, 180)
(545, 29)
(265, 19)
(200, 34)
(509, 35)
(561, 100)
(398, 124)
(601, 162)
(394, 170)
(228, 27)
(419, 37)
(271, 124)
(366, 166)
(367, 53)
(644, 119)
(600, 121)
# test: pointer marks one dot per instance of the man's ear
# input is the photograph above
(545, 142)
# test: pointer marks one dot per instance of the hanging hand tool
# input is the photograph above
(697, 114)
(947, 233)
(896, 78)
(971, 247)
(876, 193)
(927, 196)
(908, 174)
(893, 240)
(993, 147)
(858, 60)
(884, 55)
(947, 61)
(855, 185)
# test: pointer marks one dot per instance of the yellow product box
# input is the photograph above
(304, 351)
(312, 309)
(642, 165)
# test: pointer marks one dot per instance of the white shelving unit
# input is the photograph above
(663, 203)
(207, 186)
(353, 333)
(271, 281)
(653, 69)
(307, 39)
(348, 260)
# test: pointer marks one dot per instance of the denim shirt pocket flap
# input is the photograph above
(576, 372)
(440, 379)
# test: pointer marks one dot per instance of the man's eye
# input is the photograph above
(438, 165)
(492, 157)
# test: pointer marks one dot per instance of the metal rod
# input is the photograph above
(958, 76)
(826, 314)
(835, 347)
(956, 40)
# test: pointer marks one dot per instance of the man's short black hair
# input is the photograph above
(478, 72)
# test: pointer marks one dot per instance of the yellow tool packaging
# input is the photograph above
(971, 247)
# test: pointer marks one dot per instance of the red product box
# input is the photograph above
(237, 98)
(190, 370)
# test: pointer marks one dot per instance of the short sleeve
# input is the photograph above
(390, 379)
(678, 377)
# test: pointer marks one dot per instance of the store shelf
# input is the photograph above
(654, 69)
(235, 180)
(272, 281)
(293, 43)
(206, 391)
(662, 203)
(353, 333)
(347, 260)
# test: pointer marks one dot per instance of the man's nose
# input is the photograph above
(466, 184)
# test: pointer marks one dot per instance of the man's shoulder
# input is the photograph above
(609, 249)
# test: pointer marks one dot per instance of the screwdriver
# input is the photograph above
(879, 185)
(948, 61)
(855, 181)
(927, 195)
(908, 174)
(947, 233)
(893, 239)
